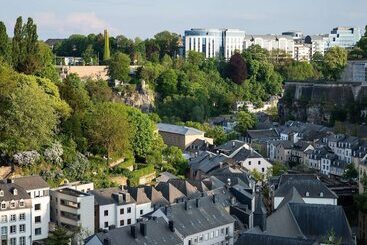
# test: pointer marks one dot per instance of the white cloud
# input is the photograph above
(75, 22)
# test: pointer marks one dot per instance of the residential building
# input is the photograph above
(16, 214)
(230, 148)
(143, 204)
(272, 42)
(309, 187)
(345, 37)
(252, 161)
(205, 162)
(169, 192)
(214, 43)
(319, 43)
(39, 191)
(302, 52)
(180, 136)
(200, 221)
(280, 150)
(72, 209)
(114, 207)
(154, 231)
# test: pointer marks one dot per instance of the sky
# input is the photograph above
(144, 18)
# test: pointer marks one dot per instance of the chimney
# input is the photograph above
(214, 198)
(229, 182)
(233, 144)
(143, 229)
(10, 181)
(197, 202)
(127, 197)
(171, 226)
(133, 231)
(107, 241)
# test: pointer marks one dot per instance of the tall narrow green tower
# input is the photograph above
(106, 53)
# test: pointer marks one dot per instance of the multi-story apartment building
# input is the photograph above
(214, 43)
(271, 42)
(114, 207)
(345, 37)
(15, 214)
(319, 43)
(38, 190)
(72, 209)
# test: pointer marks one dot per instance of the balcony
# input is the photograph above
(69, 204)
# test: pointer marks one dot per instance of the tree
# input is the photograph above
(299, 71)
(4, 43)
(167, 83)
(89, 56)
(174, 157)
(244, 121)
(167, 42)
(47, 67)
(98, 90)
(17, 44)
(196, 58)
(108, 128)
(278, 169)
(237, 69)
(350, 172)
(335, 60)
(59, 237)
(106, 52)
(119, 67)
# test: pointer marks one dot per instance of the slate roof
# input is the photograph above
(105, 196)
(261, 239)
(231, 146)
(158, 233)
(165, 176)
(244, 154)
(286, 144)
(8, 189)
(314, 188)
(169, 192)
(292, 196)
(138, 194)
(263, 134)
(31, 182)
(207, 161)
(175, 129)
(198, 219)
(200, 185)
(155, 196)
(185, 187)
(292, 177)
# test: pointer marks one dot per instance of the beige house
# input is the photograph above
(180, 136)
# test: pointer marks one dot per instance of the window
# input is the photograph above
(12, 204)
(3, 205)
(13, 218)
(4, 218)
(21, 203)
(263, 170)
(259, 162)
(227, 230)
(37, 231)
(307, 194)
(201, 238)
(105, 224)
(211, 235)
(15, 192)
(22, 228)
(1, 193)
(128, 221)
(122, 222)
(13, 229)
(37, 206)
(128, 210)
(122, 211)
(22, 240)
(249, 162)
(216, 233)
(37, 219)
(206, 236)
(106, 213)
(22, 216)
(141, 212)
(13, 241)
(4, 231)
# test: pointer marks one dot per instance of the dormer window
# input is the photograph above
(307, 194)
(3, 205)
(15, 192)
(12, 204)
(1, 193)
(321, 194)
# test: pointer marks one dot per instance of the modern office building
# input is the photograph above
(356, 71)
(345, 37)
(214, 43)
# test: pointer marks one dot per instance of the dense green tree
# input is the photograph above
(244, 121)
(60, 236)
(18, 53)
(167, 83)
(278, 169)
(350, 172)
(167, 42)
(4, 43)
(174, 157)
(237, 69)
(335, 60)
(89, 56)
(300, 71)
(47, 64)
(196, 58)
(119, 67)
(108, 128)
(98, 90)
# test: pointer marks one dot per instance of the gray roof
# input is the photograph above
(261, 134)
(286, 144)
(231, 146)
(198, 219)
(8, 189)
(138, 194)
(292, 196)
(155, 196)
(244, 154)
(31, 182)
(207, 161)
(200, 185)
(165, 176)
(169, 192)
(185, 187)
(314, 188)
(262, 239)
(157, 233)
(175, 129)
(105, 196)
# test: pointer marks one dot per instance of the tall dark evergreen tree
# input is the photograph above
(4, 43)
(17, 54)
(106, 53)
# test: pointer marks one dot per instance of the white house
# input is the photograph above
(38, 190)
(252, 160)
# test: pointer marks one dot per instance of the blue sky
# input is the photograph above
(144, 18)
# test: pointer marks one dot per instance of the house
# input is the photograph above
(16, 214)
(143, 204)
(305, 222)
(153, 231)
(200, 221)
(39, 191)
(165, 176)
(280, 150)
(230, 148)
(313, 157)
(180, 136)
(114, 207)
(252, 161)
(169, 192)
(309, 187)
(198, 146)
(342, 145)
(259, 138)
(299, 152)
(205, 162)
(72, 209)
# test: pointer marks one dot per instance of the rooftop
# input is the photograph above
(31, 182)
(175, 129)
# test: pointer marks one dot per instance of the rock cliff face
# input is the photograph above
(323, 102)
(142, 97)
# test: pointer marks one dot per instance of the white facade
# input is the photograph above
(330, 201)
(116, 215)
(271, 42)
(16, 226)
(142, 209)
(214, 43)
(345, 37)
(218, 235)
(260, 164)
(302, 52)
